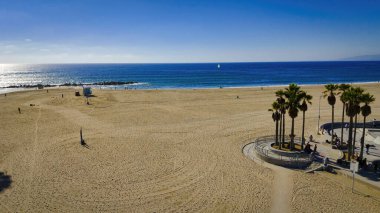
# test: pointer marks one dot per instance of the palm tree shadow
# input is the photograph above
(5, 181)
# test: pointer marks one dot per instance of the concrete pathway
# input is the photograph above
(282, 189)
(282, 184)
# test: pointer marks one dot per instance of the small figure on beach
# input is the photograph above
(338, 142)
(82, 142)
(315, 148)
(325, 161)
(47, 91)
(81, 138)
(19, 110)
(374, 122)
(346, 126)
(367, 148)
(365, 163)
(311, 138)
(62, 95)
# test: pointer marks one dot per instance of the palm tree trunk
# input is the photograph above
(280, 132)
(276, 132)
(283, 129)
(362, 139)
(341, 133)
(303, 130)
(332, 123)
(353, 144)
(292, 136)
(350, 138)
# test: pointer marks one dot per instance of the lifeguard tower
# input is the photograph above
(87, 91)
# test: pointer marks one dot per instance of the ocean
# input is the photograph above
(194, 75)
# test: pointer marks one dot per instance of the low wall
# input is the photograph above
(284, 163)
(286, 153)
(294, 159)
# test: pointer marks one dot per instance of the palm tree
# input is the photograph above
(359, 92)
(276, 117)
(293, 96)
(357, 111)
(280, 94)
(343, 88)
(351, 97)
(280, 130)
(303, 107)
(366, 110)
(330, 94)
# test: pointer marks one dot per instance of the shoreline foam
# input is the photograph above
(122, 87)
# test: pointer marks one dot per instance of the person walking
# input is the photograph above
(81, 138)
(325, 162)
(367, 148)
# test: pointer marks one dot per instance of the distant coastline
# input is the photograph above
(374, 57)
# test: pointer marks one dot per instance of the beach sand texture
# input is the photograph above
(157, 151)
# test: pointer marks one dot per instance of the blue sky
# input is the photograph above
(138, 31)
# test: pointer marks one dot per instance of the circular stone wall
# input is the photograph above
(293, 159)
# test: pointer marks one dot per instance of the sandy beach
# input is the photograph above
(160, 151)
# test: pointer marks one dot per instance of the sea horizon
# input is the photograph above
(208, 62)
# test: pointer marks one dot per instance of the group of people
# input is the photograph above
(362, 163)
(308, 149)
